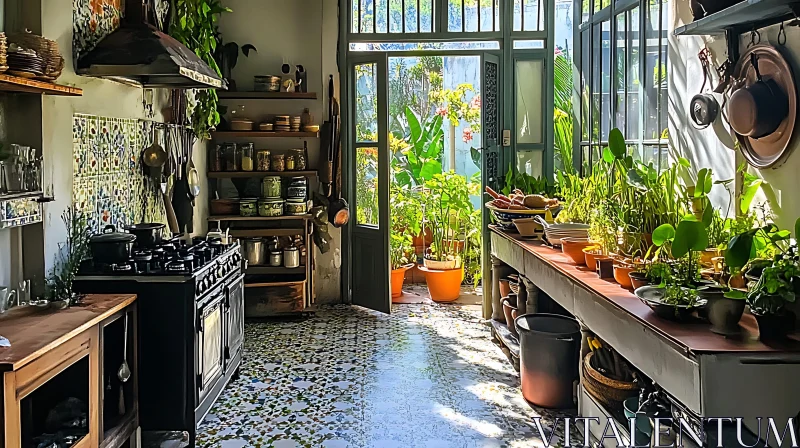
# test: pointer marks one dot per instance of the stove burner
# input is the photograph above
(178, 266)
(126, 267)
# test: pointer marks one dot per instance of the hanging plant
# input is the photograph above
(194, 24)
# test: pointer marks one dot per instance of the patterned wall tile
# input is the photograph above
(19, 212)
(110, 185)
(93, 20)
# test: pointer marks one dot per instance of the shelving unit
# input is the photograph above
(742, 17)
(262, 134)
(15, 84)
(257, 218)
(228, 95)
(255, 174)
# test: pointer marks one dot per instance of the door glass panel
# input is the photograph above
(366, 93)
(596, 77)
(619, 84)
(367, 186)
(605, 110)
(586, 62)
(652, 73)
(528, 77)
(530, 162)
(633, 104)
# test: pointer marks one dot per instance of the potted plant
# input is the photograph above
(447, 210)
(71, 254)
(602, 234)
(769, 296)
(399, 249)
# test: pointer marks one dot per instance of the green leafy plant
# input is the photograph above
(602, 229)
(447, 210)
(747, 246)
(683, 242)
(777, 284)
(679, 295)
(525, 182)
(71, 254)
(420, 159)
(399, 249)
(227, 56)
(194, 24)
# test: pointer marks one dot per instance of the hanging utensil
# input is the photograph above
(124, 372)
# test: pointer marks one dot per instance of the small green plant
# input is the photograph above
(602, 229)
(525, 182)
(399, 250)
(679, 295)
(71, 254)
(683, 243)
(777, 285)
(447, 210)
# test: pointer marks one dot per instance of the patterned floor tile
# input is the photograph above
(425, 376)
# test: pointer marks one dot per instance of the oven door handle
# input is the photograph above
(238, 280)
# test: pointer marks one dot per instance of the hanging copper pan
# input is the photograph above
(762, 109)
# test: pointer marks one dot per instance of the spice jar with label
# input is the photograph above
(232, 157)
(289, 162)
(248, 207)
(278, 162)
(216, 157)
(298, 188)
(262, 160)
(247, 156)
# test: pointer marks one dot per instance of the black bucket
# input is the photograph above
(549, 351)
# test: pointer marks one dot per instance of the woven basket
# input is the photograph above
(46, 49)
(609, 392)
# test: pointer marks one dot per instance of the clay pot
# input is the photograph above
(443, 285)
(510, 312)
(573, 248)
(423, 240)
(737, 282)
(398, 277)
(622, 274)
(707, 256)
(638, 279)
(505, 288)
(590, 257)
(723, 313)
(440, 265)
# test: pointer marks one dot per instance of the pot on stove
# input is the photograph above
(111, 247)
(148, 234)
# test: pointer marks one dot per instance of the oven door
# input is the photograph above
(234, 318)
(210, 342)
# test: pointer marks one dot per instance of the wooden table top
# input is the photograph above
(693, 337)
(32, 332)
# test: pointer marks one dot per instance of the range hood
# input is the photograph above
(138, 53)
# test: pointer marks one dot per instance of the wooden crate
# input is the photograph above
(274, 299)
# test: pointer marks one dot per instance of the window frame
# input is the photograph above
(587, 150)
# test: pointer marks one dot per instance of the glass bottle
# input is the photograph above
(232, 157)
(262, 160)
(247, 156)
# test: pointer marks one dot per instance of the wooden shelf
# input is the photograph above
(228, 95)
(742, 17)
(261, 270)
(258, 218)
(23, 195)
(16, 84)
(260, 233)
(118, 435)
(248, 174)
(262, 134)
(272, 284)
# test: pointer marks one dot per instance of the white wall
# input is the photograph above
(705, 147)
(296, 32)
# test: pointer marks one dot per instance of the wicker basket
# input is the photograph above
(46, 49)
(609, 392)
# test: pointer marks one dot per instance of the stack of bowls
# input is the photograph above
(555, 232)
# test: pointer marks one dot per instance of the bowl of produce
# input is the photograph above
(518, 205)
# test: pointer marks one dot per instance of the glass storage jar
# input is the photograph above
(216, 157)
(271, 187)
(300, 162)
(270, 207)
(290, 162)
(278, 162)
(248, 156)
(233, 157)
(262, 160)
(298, 188)
(296, 207)
(248, 207)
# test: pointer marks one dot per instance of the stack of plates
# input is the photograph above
(296, 124)
(555, 232)
(3, 52)
(26, 64)
(282, 123)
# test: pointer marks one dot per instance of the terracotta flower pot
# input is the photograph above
(622, 275)
(440, 265)
(573, 248)
(707, 256)
(591, 257)
(510, 312)
(505, 288)
(443, 285)
(425, 238)
(398, 276)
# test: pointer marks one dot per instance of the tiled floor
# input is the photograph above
(426, 376)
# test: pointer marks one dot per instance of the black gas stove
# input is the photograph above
(191, 324)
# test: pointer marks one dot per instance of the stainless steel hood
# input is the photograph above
(138, 53)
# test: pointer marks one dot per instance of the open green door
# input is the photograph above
(491, 158)
(368, 166)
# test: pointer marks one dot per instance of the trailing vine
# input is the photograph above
(194, 24)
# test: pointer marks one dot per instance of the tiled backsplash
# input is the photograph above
(93, 20)
(109, 184)
(19, 212)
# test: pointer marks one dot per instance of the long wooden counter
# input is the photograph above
(706, 372)
(53, 349)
